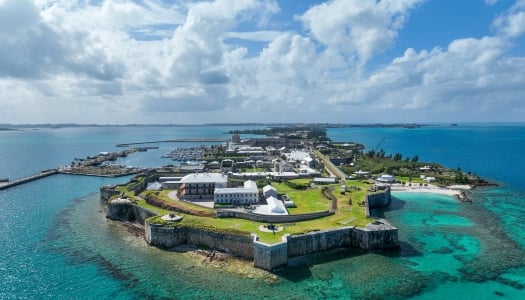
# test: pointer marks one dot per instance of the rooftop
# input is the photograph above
(204, 178)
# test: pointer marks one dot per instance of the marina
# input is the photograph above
(186, 154)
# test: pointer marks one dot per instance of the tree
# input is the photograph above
(415, 158)
(398, 156)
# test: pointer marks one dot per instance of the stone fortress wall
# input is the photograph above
(377, 235)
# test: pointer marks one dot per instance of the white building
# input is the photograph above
(362, 174)
(325, 180)
(201, 185)
(296, 156)
(385, 178)
(276, 206)
(283, 166)
(249, 194)
(269, 191)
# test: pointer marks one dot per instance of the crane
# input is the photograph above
(379, 144)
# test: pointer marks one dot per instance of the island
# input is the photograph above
(290, 193)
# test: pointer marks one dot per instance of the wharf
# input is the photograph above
(42, 174)
(99, 171)
(91, 166)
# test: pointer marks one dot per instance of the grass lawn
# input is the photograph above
(158, 210)
(307, 201)
(183, 204)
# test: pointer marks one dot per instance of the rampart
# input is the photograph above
(378, 199)
(318, 241)
(270, 257)
(128, 212)
(270, 218)
(171, 236)
(376, 235)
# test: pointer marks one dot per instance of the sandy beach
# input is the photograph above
(453, 190)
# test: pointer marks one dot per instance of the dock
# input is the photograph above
(91, 166)
(42, 174)
(204, 140)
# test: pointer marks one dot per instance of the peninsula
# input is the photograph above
(290, 193)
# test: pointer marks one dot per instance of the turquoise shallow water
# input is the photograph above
(57, 244)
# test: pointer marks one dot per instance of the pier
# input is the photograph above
(210, 140)
(45, 173)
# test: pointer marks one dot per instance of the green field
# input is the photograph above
(308, 199)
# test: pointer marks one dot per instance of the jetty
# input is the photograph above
(42, 174)
(204, 140)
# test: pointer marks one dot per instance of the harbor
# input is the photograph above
(96, 165)
(186, 154)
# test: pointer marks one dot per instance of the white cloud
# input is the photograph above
(466, 79)
(359, 28)
(118, 61)
(257, 36)
(512, 23)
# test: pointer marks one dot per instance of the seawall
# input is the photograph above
(319, 241)
(127, 212)
(163, 236)
(270, 257)
(378, 199)
(374, 236)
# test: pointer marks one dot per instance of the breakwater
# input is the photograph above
(203, 140)
(42, 174)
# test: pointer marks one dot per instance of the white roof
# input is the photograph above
(386, 178)
(154, 186)
(361, 172)
(239, 190)
(324, 179)
(276, 206)
(168, 178)
(268, 188)
(249, 184)
(297, 155)
(249, 187)
(204, 178)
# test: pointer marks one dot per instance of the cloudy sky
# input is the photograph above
(178, 61)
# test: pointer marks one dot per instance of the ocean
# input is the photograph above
(57, 244)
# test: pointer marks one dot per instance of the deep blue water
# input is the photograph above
(57, 244)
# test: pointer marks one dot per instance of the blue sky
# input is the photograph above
(349, 61)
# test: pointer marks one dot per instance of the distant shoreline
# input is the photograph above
(7, 126)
